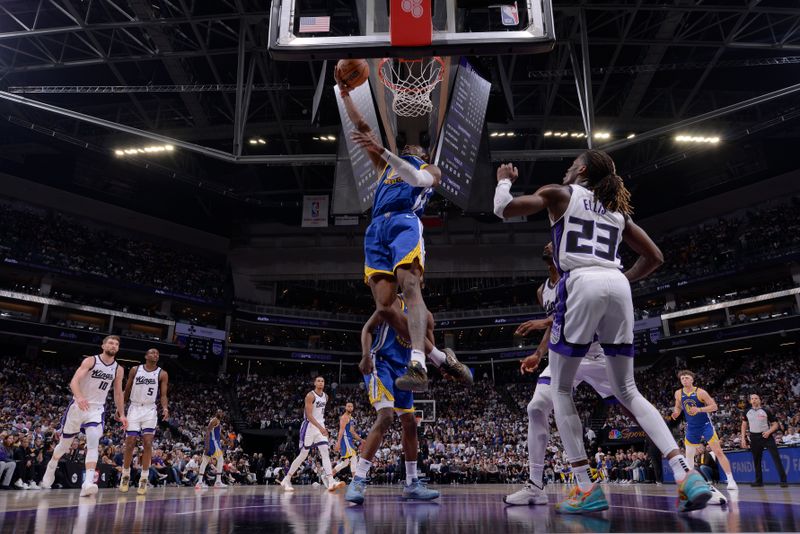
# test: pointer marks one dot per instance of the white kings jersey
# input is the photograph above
(97, 382)
(145, 385)
(588, 235)
(549, 297)
(319, 407)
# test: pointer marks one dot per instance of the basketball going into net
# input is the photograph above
(352, 72)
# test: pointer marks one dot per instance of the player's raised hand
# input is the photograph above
(507, 171)
(529, 326)
(344, 89)
(368, 142)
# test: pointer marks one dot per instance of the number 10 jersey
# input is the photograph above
(587, 235)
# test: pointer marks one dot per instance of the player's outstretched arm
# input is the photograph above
(163, 385)
(119, 397)
(650, 256)
(431, 175)
(506, 205)
(75, 383)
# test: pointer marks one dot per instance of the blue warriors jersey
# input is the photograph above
(393, 194)
(215, 445)
(701, 418)
(346, 442)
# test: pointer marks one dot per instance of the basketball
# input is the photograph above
(352, 72)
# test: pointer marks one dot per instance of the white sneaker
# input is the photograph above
(732, 485)
(529, 494)
(286, 483)
(87, 490)
(49, 476)
(716, 496)
(335, 484)
(221, 485)
(200, 486)
(20, 484)
(33, 486)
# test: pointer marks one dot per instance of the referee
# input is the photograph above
(762, 425)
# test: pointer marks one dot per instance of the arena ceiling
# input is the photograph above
(182, 69)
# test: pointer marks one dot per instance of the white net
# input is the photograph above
(411, 81)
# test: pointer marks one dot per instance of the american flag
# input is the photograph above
(315, 24)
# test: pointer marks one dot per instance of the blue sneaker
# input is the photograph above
(417, 491)
(356, 490)
(579, 502)
(693, 492)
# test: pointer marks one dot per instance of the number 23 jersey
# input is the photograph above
(587, 235)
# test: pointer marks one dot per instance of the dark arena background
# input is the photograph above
(181, 174)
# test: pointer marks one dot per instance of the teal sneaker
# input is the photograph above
(578, 502)
(693, 492)
(417, 491)
(356, 490)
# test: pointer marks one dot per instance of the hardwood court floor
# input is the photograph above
(468, 509)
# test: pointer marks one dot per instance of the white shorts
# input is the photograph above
(142, 419)
(75, 420)
(310, 436)
(592, 370)
(593, 301)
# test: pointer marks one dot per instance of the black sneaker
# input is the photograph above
(455, 369)
(415, 379)
(757, 484)
(784, 484)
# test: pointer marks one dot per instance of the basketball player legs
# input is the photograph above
(539, 408)
(127, 459)
(147, 456)
(723, 462)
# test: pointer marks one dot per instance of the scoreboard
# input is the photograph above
(199, 342)
(646, 335)
(460, 139)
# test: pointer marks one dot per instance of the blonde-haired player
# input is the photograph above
(90, 385)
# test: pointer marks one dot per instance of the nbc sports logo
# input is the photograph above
(614, 434)
(414, 7)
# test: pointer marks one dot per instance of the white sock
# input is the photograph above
(363, 467)
(411, 472)
(419, 356)
(584, 477)
(126, 472)
(537, 472)
(89, 478)
(437, 357)
(679, 467)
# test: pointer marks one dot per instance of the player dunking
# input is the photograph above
(146, 383)
(592, 370)
(90, 385)
(382, 363)
(212, 450)
(345, 444)
(394, 248)
(696, 405)
(589, 214)
(313, 434)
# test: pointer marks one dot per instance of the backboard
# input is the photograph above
(302, 30)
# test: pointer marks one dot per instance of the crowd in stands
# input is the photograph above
(54, 240)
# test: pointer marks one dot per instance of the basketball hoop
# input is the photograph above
(411, 81)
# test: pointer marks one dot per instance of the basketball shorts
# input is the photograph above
(592, 370)
(381, 390)
(310, 436)
(346, 447)
(392, 240)
(75, 420)
(214, 450)
(593, 301)
(142, 419)
(697, 434)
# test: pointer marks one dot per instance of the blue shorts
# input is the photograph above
(392, 240)
(697, 434)
(381, 390)
(346, 447)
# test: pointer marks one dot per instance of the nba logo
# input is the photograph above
(509, 15)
